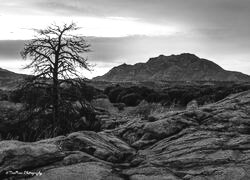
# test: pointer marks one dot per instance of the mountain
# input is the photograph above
(8, 74)
(9, 79)
(183, 67)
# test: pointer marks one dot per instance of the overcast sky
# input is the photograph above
(132, 31)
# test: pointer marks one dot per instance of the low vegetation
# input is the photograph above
(28, 113)
(149, 111)
(179, 94)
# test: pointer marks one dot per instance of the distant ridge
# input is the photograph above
(183, 67)
(8, 74)
(9, 79)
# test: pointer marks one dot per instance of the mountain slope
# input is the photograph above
(8, 74)
(9, 79)
(183, 67)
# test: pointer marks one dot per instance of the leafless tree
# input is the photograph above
(56, 54)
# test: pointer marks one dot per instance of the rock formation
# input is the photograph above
(208, 143)
(183, 67)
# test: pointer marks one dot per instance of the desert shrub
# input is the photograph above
(3, 95)
(16, 96)
(188, 96)
(102, 96)
(104, 104)
(120, 106)
(9, 119)
(34, 120)
(117, 94)
(36, 97)
(145, 92)
(89, 92)
(175, 94)
(114, 93)
(148, 110)
(132, 99)
(108, 89)
(35, 124)
(178, 94)
(143, 109)
(73, 91)
(123, 93)
(154, 97)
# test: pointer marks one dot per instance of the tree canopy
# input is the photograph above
(55, 55)
(55, 52)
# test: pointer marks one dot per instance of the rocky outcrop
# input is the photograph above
(79, 147)
(81, 171)
(212, 142)
(208, 143)
(183, 67)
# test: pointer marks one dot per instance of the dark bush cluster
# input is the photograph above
(174, 94)
(4, 95)
(34, 121)
(131, 96)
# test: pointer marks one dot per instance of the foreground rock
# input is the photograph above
(208, 143)
(212, 142)
(88, 171)
(79, 147)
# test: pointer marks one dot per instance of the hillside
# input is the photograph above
(183, 67)
(9, 79)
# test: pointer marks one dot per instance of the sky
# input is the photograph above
(132, 31)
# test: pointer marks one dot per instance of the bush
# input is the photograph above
(179, 94)
(120, 106)
(34, 120)
(114, 93)
(148, 110)
(132, 99)
(3, 95)
(16, 96)
(153, 97)
(101, 96)
(74, 91)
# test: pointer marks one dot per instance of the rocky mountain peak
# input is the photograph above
(182, 67)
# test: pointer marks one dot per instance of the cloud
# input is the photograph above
(109, 52)
(191, 15)
(10, 50)
(216, 30)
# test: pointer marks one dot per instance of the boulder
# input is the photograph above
(105, 104)
(101, 145)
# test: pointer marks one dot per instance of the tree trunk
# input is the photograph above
(55, 102)
(55, 98)
(55, 87)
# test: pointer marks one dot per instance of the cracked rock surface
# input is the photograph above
(208, 143)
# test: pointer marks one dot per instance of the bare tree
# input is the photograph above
(56, 54)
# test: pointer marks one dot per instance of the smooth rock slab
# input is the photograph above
(82, 171)
(16, 155)
(78, 147)
(101, 145)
